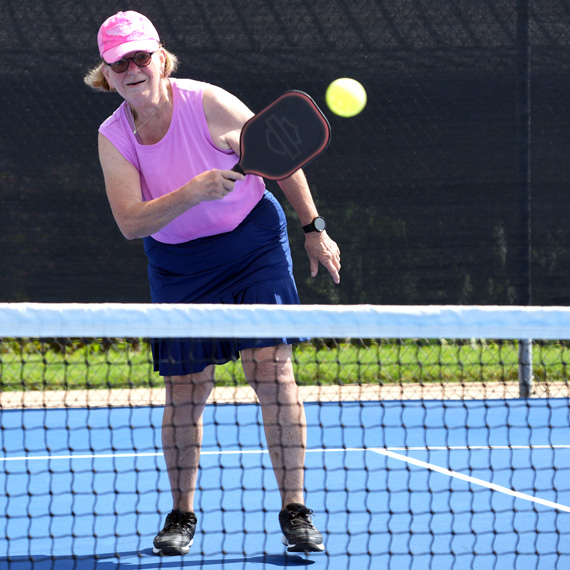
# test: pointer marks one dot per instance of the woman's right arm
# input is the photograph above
(137, 218)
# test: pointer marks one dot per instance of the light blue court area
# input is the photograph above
(394, 484)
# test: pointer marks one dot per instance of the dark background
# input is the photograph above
(426, 191)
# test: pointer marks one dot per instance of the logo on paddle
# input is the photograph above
(283, 137)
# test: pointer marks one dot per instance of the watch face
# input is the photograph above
(319, 224)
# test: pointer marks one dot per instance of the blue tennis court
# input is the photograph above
(394, 484)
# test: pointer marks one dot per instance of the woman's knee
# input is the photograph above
(190, 388)
(268, 364)
(269, 371)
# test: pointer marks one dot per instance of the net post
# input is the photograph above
(524, 182)
(525, 368)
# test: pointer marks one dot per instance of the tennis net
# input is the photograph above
(421, 451)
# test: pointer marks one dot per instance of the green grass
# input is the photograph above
(120, 363)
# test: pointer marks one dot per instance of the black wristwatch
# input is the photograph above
(317, 225)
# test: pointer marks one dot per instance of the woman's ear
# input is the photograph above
(162, 62)
(105, 72)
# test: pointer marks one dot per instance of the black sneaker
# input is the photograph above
(299, 532)
(177, 535)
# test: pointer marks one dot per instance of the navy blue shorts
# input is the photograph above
(252, 264)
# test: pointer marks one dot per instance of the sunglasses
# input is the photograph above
(141, 59)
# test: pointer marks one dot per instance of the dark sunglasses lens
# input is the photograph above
(120, 66)
(142, 58)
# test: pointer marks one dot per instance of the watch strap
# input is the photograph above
(318, 224)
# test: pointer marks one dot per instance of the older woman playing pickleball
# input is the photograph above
(211, 235)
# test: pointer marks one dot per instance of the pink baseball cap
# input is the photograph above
(126, 32)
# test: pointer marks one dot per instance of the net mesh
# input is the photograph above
(420, 451)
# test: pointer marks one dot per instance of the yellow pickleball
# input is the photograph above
(346, 97)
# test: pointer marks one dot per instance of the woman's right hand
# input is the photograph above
(213, 184)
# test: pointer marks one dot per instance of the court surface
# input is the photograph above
(394, 484)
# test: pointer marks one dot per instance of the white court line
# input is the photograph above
(388, 452)
(477, 447)
(257, 451)
(122, 455)
(470, 479)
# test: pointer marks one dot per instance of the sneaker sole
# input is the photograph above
(172, 550)
(303, 546)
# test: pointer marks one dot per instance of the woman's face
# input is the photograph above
(137, 84)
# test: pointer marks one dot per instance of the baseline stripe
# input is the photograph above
(258, 451)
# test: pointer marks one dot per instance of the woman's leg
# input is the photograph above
(269, 371)
(182, 432)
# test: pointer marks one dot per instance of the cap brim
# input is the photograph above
(116, 53)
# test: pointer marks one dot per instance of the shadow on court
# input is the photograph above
(145, 559)
(277, 560)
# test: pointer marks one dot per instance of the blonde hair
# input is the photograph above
(96, 80)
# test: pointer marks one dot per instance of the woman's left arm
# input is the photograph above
(319, 246)
(225, 115)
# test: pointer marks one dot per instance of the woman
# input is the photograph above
(211, 235)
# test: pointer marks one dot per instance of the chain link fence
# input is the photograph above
(450, 187)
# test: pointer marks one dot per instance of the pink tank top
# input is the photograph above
(185, 151)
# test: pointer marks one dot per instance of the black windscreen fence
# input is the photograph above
(451, 187)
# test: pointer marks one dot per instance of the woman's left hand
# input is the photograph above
(322, 249)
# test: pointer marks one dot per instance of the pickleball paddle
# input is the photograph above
(283, 137)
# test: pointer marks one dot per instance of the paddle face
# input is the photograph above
(283, 137)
